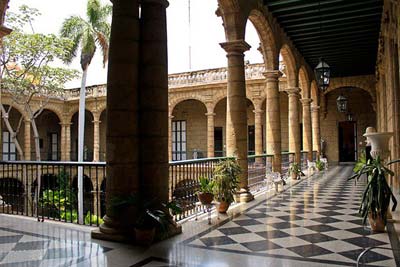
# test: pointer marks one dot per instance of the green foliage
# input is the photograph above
(295, 169)
(92, 219)
(206, 185)
(226, 180)
(377, 195)
(60, 203)
(320, 165)
(149, 213)
(27, 60)
(89, 33)
(362, 161)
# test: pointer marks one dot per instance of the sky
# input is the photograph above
(205, 34)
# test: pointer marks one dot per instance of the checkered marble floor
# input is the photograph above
(316, 221)
(21, 248)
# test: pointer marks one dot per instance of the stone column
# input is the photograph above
(236, 113)
(316, 136)
(63, 141)
(153, 101)
(170, 118)
(307, 128)
(68, 142)
(96, 140)
(294, 132)
(122, 117)
(27, 138)
(258, 131)
(210, 134)
(273, 119)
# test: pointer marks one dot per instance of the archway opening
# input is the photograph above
(189, 130)
(88, 142)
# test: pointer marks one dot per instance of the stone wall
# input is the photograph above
(360, 105)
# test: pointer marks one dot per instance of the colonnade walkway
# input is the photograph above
(312, 223)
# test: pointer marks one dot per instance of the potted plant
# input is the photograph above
(295, 171)
(151, 215)
(205, 194)
(320, 165)
(377, 195)
(226, 179)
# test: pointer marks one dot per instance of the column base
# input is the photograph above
(107, 233)
(245, 195)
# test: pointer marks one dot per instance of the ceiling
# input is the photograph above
(344, 32)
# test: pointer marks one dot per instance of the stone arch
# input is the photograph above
(234, 19)
(304, 82)
(176, 101)
(89, 135)
(53, 109)
(49, 129)
(8, 102)
(12, 191)
(291, 66)
(364, 82)
(267, 39)
(189, 130)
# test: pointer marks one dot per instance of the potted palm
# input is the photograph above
(295, 171)
(320, 165)
(226, 179)
(151, 215)
(376, 198)
(205, 194)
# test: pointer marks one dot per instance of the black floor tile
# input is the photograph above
(234, 230)
(258, 246)
(216, 241)
(309, 251)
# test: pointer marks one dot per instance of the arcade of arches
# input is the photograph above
(233, 111)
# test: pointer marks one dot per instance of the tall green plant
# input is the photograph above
(377, 194)
(88, 35)
(226, 180)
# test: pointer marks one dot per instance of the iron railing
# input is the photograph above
(287, 159)
(303, 160)
(57, 198)
(184, 182)
(314, 155)
(257, 168)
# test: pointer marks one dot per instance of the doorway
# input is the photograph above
(218, 142)
(347, 141)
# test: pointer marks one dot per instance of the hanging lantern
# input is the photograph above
(341, 102)
(322, 74)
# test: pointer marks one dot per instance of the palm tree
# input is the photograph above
(87, 35)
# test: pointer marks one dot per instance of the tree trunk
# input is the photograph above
(81, 141)
(11, 131)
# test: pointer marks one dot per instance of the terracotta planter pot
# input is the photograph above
(377, 224)
(205, 198)
(144, 237)
(294, 176)
(223, 206)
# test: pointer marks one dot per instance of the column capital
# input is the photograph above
(315, 108)
(164, 3)
(96, 121)
(235, 47)
(210, 114)
(171, 117)
(272, 75)
(293, 91)
(258, 111)
(27, 121)
(306, 101)
(65, 124)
